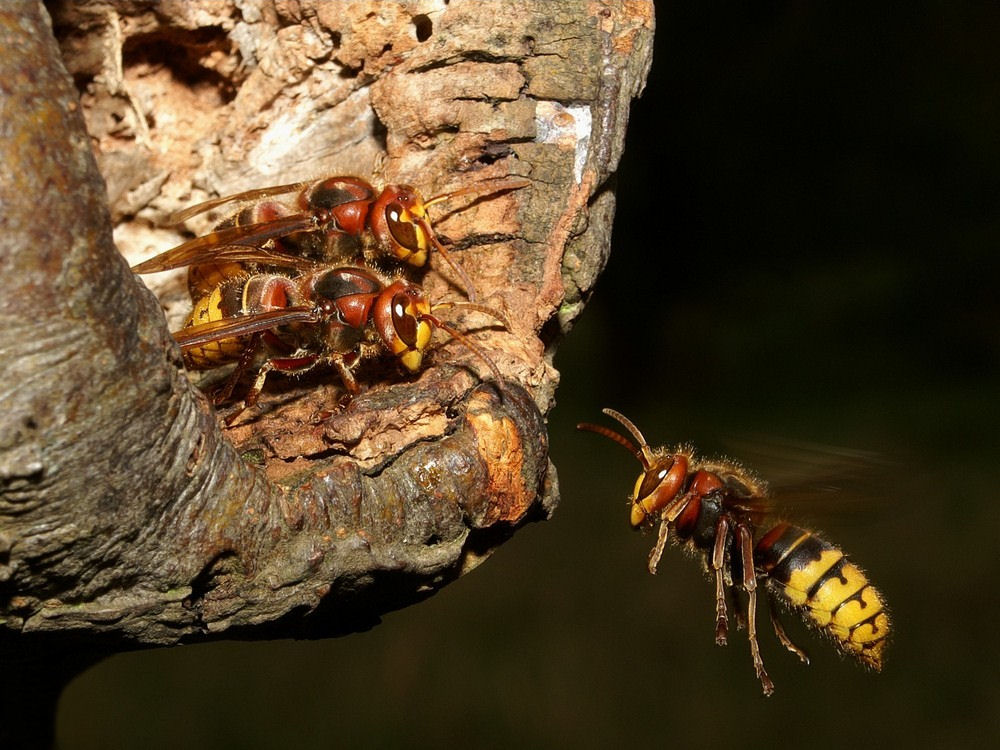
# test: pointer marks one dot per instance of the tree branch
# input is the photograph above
(127, 517)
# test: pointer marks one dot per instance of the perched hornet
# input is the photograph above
(396, 219)
(716, 510)
(323, 314)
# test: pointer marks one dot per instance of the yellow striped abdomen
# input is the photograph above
(224, 301)
(832, 592)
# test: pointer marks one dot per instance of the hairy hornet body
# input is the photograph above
(395, 221)
(719, 511)
(204, 278)
(341, 298)
(311, 315)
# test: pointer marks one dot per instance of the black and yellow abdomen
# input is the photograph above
(816, 578)
(224, 301)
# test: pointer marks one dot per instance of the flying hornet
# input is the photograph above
(721, 512)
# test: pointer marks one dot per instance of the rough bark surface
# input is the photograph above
(128, 516)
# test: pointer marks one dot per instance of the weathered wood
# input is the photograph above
(128, 518)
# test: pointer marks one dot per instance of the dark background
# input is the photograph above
(805, 248)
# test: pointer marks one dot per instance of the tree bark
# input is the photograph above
(129, 517)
